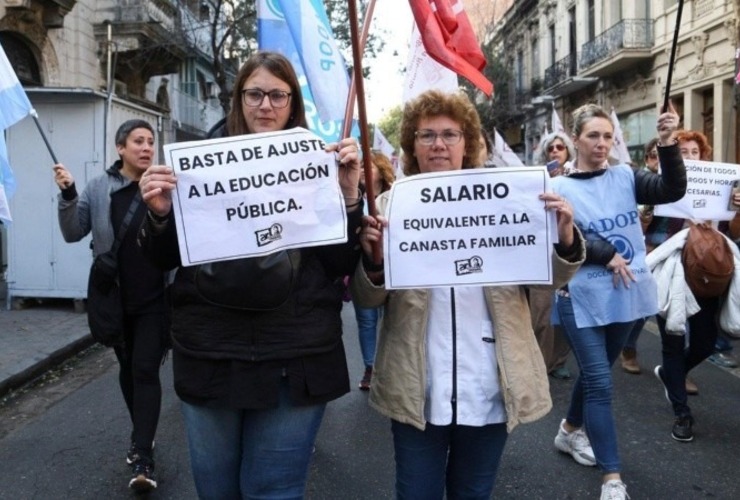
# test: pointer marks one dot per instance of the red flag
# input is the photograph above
(449, 39)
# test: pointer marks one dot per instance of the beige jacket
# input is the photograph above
(399, 373)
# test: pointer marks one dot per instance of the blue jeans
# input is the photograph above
(461, 458)
(595, 349)
(367, 330)
(237, 454)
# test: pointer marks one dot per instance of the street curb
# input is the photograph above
(42, 366)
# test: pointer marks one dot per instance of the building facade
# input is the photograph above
(148, 52)
(616, 53)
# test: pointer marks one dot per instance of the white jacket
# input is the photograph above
(675, 301)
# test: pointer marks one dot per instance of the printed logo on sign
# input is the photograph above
(469, 266)
(700, 203)
(269, 235)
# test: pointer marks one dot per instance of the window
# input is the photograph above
(535, 58)
(553, 48)
(592, 20)
(519, 70)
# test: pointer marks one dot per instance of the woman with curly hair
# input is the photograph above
(456, 368)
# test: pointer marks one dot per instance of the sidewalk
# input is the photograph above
(35, 338)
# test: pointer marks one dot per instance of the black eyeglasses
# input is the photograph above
(449, 136)
(552, 147)
(254, 97)
(652, 155)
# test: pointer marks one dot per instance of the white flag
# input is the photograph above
(619, 147)
(380, 143)
(503, 156)
(424, 73)
(557, 125)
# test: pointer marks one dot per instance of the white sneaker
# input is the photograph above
(576, 444)
(614, 489)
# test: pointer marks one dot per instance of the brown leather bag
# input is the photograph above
(708, 261)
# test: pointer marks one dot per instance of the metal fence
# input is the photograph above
(627, 34)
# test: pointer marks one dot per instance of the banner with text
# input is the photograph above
(707, 193)
(252, 195)
(469, 228)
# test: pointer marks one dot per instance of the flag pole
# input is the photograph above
(35, 116)
(350, 109)
(673, 57)
(364, 137)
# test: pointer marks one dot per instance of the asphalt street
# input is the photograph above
(67, 437)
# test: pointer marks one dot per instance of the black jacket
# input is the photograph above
(221, 352)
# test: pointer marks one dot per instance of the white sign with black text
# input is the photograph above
(707, 192)
(469, 228)
(251, 195)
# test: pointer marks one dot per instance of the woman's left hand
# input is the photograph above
(564, 214)
(348, 153)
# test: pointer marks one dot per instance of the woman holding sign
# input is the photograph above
(614, 288)
(456, 368)
(254, 379)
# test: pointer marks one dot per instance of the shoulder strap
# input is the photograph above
(132, 208)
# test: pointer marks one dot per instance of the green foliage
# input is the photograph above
(390, 125)
(498, 111)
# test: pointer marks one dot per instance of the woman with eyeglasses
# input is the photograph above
(254, 382)
(457, 368)
(614, 288)
(556, 149)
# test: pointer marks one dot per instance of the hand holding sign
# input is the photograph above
(349, 166)
(156, 186)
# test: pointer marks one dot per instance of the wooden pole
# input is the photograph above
(350, 109)
(364, 136)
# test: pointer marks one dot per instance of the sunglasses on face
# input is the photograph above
(555, 147)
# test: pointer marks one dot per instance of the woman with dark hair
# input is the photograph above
(254, 384)
(456, 368)
(101, 209)
(614, 288)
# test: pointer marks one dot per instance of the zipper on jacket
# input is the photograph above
(453, 400)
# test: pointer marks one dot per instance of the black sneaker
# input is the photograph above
(142, 479)
(132, 455)
(682, 429)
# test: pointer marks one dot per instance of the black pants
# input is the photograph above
(145, 344)
(679, 360)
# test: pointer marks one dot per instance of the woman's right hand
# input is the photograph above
(156, 185)
(372, 233)
(620, 271)
(62, 176)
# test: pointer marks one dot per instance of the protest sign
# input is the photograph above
(469, 228)
(252, 195)
(707, 193)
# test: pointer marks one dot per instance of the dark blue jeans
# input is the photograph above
(595, 349)
(462, 459)
(679, 360)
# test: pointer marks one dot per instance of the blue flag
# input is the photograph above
(301, 32)
(14, 106)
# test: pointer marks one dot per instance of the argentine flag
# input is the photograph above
(300, 30)
(14, 106)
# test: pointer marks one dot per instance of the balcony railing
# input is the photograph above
(163, 12)
(565, 68)
(200, 115)
(627, 34)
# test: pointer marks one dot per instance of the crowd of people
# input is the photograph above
(455, 369)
